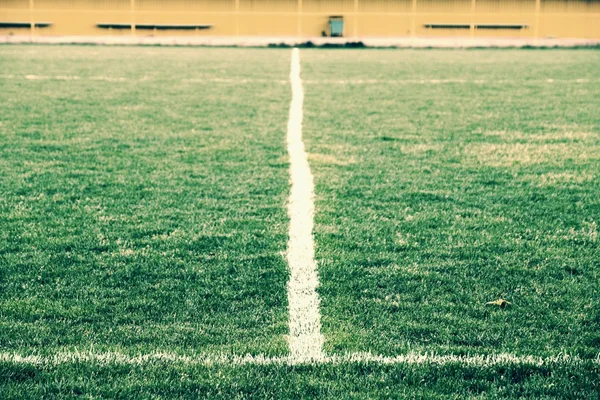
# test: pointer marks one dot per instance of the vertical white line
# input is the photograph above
(305, 340)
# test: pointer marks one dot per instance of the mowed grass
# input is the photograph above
(142, 207)
(346, 381)
(142, 200)
(449, 179)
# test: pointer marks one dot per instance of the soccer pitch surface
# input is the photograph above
(144, 222)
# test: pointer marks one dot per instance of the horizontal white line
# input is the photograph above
(235, 80)
(439, 81)
(241, 81)
(114, 358)
(70, 78)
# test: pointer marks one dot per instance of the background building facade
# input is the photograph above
(304, 18)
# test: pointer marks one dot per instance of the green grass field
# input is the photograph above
(143, 222)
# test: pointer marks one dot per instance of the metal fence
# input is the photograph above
(303, 18)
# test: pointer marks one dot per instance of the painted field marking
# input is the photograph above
(239, 81)
(115, 358)
(305, 339)
(436, 81)
(236, 81)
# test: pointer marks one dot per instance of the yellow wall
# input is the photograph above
(306, 18)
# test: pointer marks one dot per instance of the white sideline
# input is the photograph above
(437, 81)
(115, 358)
(239, 81)
(305, 339)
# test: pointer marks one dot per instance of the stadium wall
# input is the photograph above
(303, 18)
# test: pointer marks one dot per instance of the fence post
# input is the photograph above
(413, 17)
(237, 17)
(538, 7)
(132, 15)
(299, 20)
(472, 27)
(31, 20)
(355, 30)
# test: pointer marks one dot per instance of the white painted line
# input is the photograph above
(239, 81)
(57, 78)
(236, 81)
(436, 81)
(68, 78)
(109, 78)
(384, 81)
(305, 339)
(115, 358)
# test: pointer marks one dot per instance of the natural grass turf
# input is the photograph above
(141, 211)
(350, 381)
(142, 206)
(448, 179)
